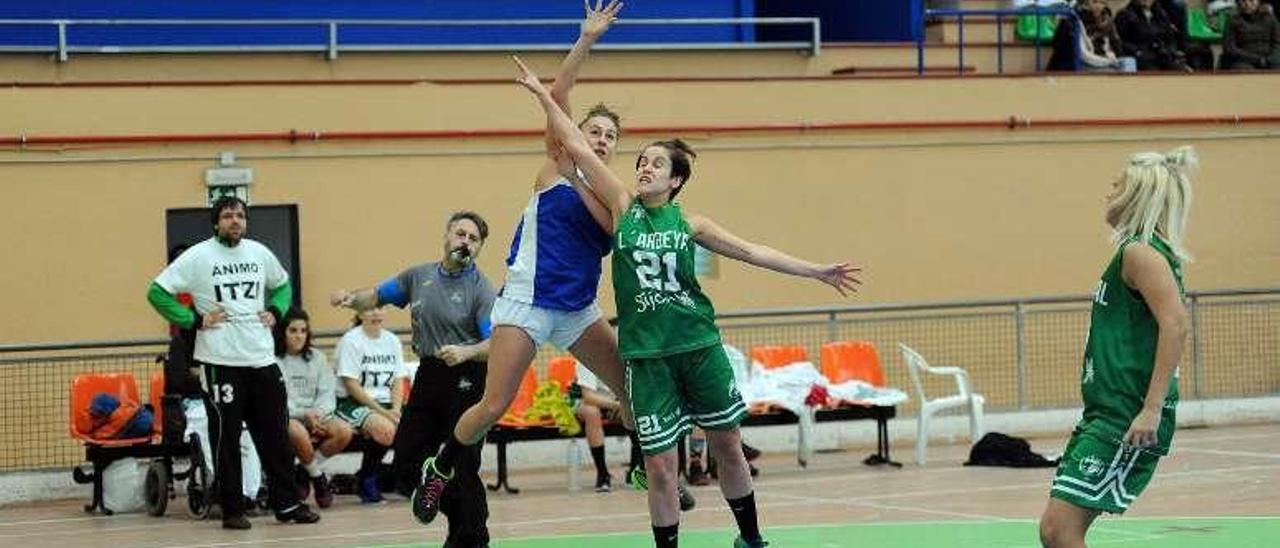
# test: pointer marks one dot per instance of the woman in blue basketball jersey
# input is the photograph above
(553, 273)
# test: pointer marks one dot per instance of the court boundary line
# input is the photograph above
(926, 523)
(544, 521)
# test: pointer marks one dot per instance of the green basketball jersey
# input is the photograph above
(1120, 355)
(661, 309)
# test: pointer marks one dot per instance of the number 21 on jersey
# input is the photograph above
(651, 267)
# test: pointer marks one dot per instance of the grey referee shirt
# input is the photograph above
(444, 308)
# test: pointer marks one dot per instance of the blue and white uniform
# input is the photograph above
(553, 269)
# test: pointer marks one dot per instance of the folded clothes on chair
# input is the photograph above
(790, 385)
(110, 417)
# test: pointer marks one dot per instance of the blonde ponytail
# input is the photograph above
(1154, 198)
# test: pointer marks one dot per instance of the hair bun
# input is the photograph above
(1183, 158)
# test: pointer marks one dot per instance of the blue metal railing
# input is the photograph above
(331, 36)
(1000, 15)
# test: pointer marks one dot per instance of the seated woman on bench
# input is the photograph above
(314, 431)
(371, 392)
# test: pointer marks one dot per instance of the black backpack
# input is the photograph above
(996, 449)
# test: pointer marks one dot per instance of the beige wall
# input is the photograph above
(932, 215)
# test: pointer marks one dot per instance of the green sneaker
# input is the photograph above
(639, 479)
(426, 497)
(742, 543)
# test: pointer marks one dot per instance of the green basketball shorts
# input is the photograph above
(1102, 475)
(671, 394)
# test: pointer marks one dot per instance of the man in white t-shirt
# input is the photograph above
(240, 291)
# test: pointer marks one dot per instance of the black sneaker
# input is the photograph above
(750, 452)
(604, 483)
(324, 496)
(426, 497)
(687, 502)
(299, 514)
(251, 508)
(236, 522)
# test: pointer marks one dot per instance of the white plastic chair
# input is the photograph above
(964, 398)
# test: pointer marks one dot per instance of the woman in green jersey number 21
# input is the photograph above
(1136, 332)
(677, 372)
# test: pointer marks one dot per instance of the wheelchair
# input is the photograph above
(167, 451)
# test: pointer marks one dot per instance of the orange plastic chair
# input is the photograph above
(563, 370)
(852, 360)
(83, 388)
(772, 357)
(523, 401)
(155, 397)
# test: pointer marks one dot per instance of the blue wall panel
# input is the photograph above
(371, 9)
(848, 20)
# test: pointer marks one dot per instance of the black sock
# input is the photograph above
(448, 454)
(371, 461)
(682, 457)
(744, 511)
(597, 455)
(637, 457)
(666, 537)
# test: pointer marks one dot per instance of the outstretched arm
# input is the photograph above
(594, 25)
(708, 234)
(603, 181)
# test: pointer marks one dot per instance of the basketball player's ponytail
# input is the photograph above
(1154, 198)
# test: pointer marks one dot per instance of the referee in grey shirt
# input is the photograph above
(449, 303)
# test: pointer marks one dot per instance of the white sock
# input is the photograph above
(313, 467)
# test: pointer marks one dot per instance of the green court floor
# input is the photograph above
(1126, 532)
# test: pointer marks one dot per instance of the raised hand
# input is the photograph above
(342, 298)
(842, 276)
(527, 78)
(599, 18)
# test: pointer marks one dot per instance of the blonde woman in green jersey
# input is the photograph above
(1136, 333)
(677, 372)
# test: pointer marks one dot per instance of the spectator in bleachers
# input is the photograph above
(1199, 55)
(371, 372)
(1148, 34)
(1251, 40)
(1098, 46)
(597, 405)
(315, 432)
